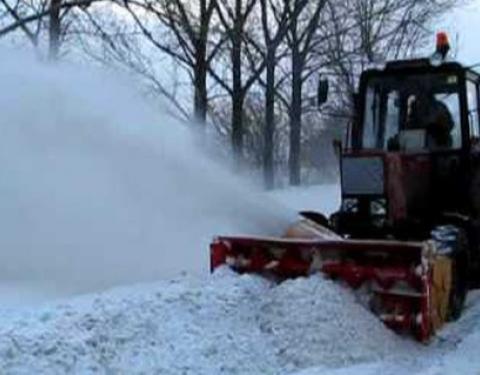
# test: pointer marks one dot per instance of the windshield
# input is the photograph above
(412, 112)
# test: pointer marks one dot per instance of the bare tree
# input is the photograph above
(193, 45)
(106, 38)
(29, 17)
(234, 16)
(54, 28)
(272, 40)
(23, 16)
(301, 36)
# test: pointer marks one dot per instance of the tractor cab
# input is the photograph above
(413, 153)
(411, 110)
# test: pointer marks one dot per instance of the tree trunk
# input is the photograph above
(295, 123)
(54, 29)
(268, 147)
(200, 83)
(237, 127)
(237, 89)
(296, 106)
(201, 67)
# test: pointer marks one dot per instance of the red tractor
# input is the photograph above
(407, 231)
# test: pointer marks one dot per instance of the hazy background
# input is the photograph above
(465, 23)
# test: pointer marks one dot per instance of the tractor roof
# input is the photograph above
(420, 66)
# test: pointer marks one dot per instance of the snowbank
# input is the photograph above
(315, 321)
(453, 352)
(226, 324)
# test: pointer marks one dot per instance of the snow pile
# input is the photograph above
(226, 324)
(454, 351)
(183, 327)
(313, 320)
(463, 339)
(98, 189)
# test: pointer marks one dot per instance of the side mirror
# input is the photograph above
(322, 92)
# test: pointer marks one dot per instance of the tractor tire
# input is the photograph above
(459, 285)
(453, 242)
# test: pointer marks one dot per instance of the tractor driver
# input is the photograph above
(426, 112)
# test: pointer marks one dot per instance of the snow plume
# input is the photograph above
(98, 189)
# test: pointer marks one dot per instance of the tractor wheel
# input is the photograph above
(453, 242)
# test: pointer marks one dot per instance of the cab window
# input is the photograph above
(472, 100)
(416, 113)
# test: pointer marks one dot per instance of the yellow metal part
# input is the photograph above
(441, 286)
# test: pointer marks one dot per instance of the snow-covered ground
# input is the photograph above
(225, 324)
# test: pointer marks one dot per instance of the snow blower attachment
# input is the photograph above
(394, 279)
(406, 236)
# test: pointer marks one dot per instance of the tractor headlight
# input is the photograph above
(378, 207)
(350, 205)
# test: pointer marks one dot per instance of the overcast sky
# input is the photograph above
(465, 23)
